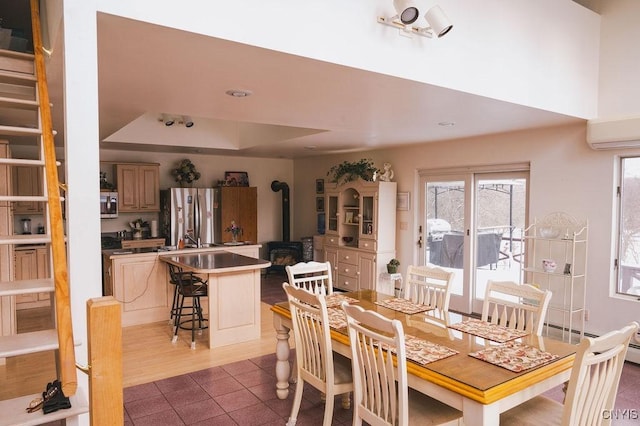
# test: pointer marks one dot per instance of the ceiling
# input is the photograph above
(299, 107)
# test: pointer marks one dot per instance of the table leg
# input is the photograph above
(475, 413)
(283, 369)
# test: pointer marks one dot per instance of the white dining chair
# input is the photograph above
(517, 306)
(313, 276)
(592, 389)
(316, 363)
(381, 394)
(428, 285)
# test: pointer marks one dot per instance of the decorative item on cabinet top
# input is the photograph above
(185, 173)
(348, 171)
(236, 179)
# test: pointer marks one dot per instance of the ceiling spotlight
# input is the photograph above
(406, 10)
(438, 21)
(188, 122)
(407, 13)
(168, 120)
(237, 93)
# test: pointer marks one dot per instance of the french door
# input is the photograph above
(471, 223)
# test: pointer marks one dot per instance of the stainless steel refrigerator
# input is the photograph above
(189, 211)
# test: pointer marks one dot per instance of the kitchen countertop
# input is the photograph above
(214, 262)
(111, 253)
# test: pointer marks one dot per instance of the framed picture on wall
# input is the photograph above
(321, 223)
(319, 204)
(319, 186)
(402, 201)
(236, 179)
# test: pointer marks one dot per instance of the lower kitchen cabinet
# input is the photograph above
(31, 263)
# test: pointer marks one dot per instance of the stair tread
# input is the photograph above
(14, 54)
(24, 198)
(14, 413)
(24, 162)
(28, 343)
(14, 288)
(13, 77)
(19, 131)
(19, 103)
(25, 239)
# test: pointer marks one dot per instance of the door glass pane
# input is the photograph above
(500, 218)
(446, 228)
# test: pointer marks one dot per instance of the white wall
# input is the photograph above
(619, 59)
(541, 53)
(565, 175)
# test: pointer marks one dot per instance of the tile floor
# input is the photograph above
(242, 393)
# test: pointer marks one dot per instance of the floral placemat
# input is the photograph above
(403, 305)
(422, 351)
(514, 356)
(484, 329)
(336, 299)
(337, 318)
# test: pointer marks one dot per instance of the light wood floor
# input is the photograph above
(148, 354)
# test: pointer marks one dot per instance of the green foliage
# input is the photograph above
(394, 262)
(348, 171)
(185, 172)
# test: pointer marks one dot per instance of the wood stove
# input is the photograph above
(285, 252)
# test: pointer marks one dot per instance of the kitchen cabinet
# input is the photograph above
(27, 181)
(556, 260)
(239, 204)
(140, 282)
(31, 263)
(360, 233)
(138, 187)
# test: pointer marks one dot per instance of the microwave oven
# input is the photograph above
(108, 205)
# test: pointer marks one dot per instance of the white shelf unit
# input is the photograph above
(563, 239)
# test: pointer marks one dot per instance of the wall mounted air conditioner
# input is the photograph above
(614, 133)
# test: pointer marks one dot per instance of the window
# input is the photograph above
(629, 227)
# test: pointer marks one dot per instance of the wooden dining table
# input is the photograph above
(480, 389)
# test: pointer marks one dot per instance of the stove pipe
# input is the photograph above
(275, 187)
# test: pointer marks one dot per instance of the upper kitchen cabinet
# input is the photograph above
(138, 187)
(239, 204)
(27, 180)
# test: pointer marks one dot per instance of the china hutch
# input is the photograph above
(360, 233)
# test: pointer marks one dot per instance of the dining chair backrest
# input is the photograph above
(376, 398)
(518, 306)
(311, 334)
(313, 276)
(428, 285)
(595, 376)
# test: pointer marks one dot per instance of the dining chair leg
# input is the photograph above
(328, 409)
(297, 400)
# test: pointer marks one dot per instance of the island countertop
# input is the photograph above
(215, 262)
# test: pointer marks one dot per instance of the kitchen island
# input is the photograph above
(139, 280)
(234, 293)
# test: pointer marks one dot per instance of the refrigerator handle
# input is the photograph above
(196, 216)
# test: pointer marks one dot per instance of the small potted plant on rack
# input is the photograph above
(392, 266)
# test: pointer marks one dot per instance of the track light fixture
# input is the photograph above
(168, 120)
(188, 122)
(407, 13)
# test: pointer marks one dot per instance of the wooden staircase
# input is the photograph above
(25, 116)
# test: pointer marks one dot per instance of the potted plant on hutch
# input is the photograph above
(392, 266)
